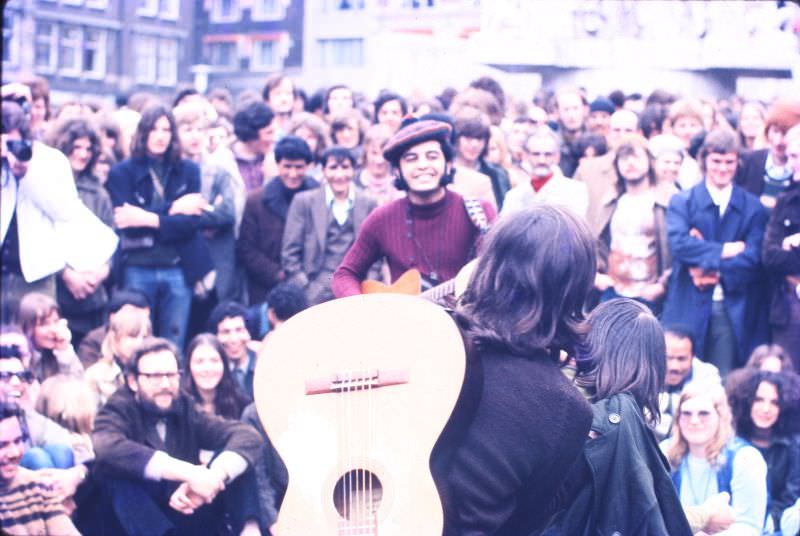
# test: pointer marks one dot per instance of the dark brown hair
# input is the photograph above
(150, 115)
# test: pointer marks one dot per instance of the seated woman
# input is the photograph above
(126, 331)
(707, 458)
(622, 368)
(207, 378)
(66, 401)
(51, 339)
(766, 412)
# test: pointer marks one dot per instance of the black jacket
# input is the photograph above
(130, 182)
(750, 173)
(622, 483)
(783, 474)
(784, 221)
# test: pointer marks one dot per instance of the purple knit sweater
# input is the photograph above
(439, 238)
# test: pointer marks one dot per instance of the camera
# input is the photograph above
(21, 149)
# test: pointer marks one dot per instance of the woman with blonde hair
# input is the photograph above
(499, 155)
(65, 400)
(375, 175)
(50, 337)
(126, 331)
(708, 459)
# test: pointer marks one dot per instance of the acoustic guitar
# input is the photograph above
(353, 394)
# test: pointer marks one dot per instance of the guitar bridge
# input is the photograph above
(356, 381)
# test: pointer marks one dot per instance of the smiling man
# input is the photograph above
(431, 229)
(322, 225)
(715, 230)
(260, 237)
(147, 440)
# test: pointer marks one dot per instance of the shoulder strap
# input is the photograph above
(476, 213)
(725, 472)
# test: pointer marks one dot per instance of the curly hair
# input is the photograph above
(741, 386)
(66, 132)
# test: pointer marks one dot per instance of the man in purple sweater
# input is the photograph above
(430, 229)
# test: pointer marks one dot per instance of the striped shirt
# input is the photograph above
(29, 506)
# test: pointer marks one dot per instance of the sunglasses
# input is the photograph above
(26, 376)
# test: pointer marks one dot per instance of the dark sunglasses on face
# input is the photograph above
(25, 376)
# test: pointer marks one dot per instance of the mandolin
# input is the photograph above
(353, 394)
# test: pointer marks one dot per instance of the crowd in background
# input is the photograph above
(230, 213)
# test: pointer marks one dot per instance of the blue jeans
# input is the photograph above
(48, 457)
(169, 296)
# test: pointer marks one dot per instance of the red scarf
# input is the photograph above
(538, 182)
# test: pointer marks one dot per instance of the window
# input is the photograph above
(147, 8)
(45, 48)
(11, 38)
(268, 10)
(72, 2)
(223, 55)
(94, 53)
(97, 4)
(69, 50)
(167, 66)
(145, 47)
(169, 9)
(225, 11)
(266, 56)
(341, 52)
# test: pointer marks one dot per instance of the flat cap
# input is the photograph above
(414, 133)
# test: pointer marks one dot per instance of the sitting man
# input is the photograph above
(147, 439)
(28, 504)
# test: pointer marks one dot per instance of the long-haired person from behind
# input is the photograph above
(519, 424)
(163, 255)
(208, 380)
(707, 459)
(622, 366)
(766, 412)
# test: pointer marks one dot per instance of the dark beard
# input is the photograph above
(149, 408)
(635, 182)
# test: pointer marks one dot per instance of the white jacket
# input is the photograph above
(55, 228)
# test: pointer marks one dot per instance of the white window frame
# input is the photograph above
(101, 51)
(278, 14)
(145, 57)
(325, 47)
(150, 9)
(101, 5)
(172, 76)
(77, 47)
(259, 67)
(236, 58)
(216, 11)
(172, 11)
(53, 44)
(72, 2)
(14, 38)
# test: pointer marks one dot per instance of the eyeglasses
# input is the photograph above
(160, 376)
(26, 376)
(702, 415)
(540, 154)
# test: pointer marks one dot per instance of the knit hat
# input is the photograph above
(414, 133)
(602, 104)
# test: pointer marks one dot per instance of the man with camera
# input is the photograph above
(44, 227)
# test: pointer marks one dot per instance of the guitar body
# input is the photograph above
(353, 394)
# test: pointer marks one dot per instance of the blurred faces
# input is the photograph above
(679, 359)
(49, 331)
(339, 174)
(291, 172)
(159, 138)
(423, 166)
(376, 164)
(193, 138)
(751, 120)
(281, 97)
(777, 143)
(720, 168)
(391, 114)
(340, 100)
(685, 127)
(266, 137)
(206, 367)
(667, 166)
(793, 155)
(12, 447)
(598, 122)
(470, 149)
(766, 406)
(217, 137)
(101, 167)
(571, 110)
(38, 112)
(541, 153)
(309, 136)
(698, 420)
(80, 155)
(233, 336)
(347, 135)
(14, 379)
(157, 381)
(634, 165)
(620, 123)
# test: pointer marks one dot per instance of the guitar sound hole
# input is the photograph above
(357, 495)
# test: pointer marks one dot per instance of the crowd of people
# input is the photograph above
(150, 249)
